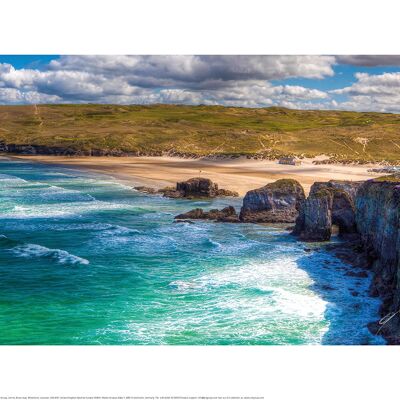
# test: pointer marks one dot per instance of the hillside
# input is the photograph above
(204, 130)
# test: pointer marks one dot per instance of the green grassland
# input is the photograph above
(206, 130)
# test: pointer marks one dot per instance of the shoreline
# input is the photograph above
(345, 251)
(239, 174)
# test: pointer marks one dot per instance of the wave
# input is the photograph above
(60, 256)
(57, 193)
(11, 179)
(62, 209)
(6, 242)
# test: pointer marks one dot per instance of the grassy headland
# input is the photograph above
(205, 130)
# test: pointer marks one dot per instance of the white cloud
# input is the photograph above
(196, 69)
(246, 81)
(372, 93)
(226, 80)
(15, 96)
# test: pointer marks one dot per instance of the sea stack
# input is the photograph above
(197, 188)
(277, 202)
(329, 203)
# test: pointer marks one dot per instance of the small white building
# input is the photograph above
(289, 161)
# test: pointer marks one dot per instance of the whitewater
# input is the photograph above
(86, 259)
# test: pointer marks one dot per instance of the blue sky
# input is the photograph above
(361, 83)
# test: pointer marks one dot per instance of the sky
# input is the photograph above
(357, 83)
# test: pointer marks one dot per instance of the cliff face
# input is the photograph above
(315, 219)
(328, 203)
(276, 202)
(378, 223)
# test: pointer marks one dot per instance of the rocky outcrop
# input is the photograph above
(191, 189)
(378, 224)
(275, 203)
(197, 188)
(329, 203)
(227, 214)
(227, 193)
(146, 189)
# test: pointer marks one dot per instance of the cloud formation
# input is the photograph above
(373, 93)
(369, 60)
(227, 80)
(246, 81)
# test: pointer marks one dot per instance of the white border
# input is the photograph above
(273, 372)
(200, 27)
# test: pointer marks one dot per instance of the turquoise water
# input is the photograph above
(84, 259)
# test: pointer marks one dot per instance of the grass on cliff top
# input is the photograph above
(206, 130)
(388, 178)
(283, 183)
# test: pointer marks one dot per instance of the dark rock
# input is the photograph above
(227, 193)
(197, 213)
(328, 203)
(166, 189)
(327, 287)
(227, 214)
(277, 202)
(172, 194)
(361, 274)
(197, 188)
(145, 189)
(378, 223)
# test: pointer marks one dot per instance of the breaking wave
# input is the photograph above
(36, 251)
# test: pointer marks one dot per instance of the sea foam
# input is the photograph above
(60, 256)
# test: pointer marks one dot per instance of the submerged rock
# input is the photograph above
(227, 214)
(276, 202)
(197, 188)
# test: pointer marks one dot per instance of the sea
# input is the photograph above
(87, 260)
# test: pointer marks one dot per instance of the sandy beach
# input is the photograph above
(235, 174)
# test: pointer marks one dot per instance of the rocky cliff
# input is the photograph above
(378, 223)
(276, 202)
(370, 211)
(329, 203)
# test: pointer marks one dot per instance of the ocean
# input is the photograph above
(85, 259)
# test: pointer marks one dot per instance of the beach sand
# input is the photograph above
(240, 174)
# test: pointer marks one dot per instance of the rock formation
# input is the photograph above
(227, 214)
(329, 203)
(276, 202)
(378, 224)
(197, 188)
(146, 189)
(193, 188)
